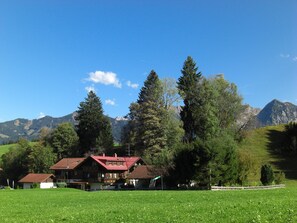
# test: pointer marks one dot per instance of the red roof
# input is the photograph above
(67, 164)
(35, 178)
(108, 162)
(116, 163)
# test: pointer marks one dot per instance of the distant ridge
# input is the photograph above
(11, 131)
(274, 113)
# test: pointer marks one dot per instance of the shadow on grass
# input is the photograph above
(285, 163)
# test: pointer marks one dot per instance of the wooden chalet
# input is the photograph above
(92, 172)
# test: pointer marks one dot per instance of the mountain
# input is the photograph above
(247, 114)
(277, 112)
(274, 113)
(11, 131)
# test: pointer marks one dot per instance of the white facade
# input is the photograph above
(43, 185)
(46, 185)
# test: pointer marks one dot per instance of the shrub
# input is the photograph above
(267, 175)
(279, 177)
(35, 185)
(61, 185)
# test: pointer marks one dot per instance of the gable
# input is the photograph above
(115, 162)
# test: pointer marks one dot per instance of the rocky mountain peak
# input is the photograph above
(277, 112)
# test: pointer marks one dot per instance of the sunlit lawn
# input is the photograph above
(69, 205)
(5, 148)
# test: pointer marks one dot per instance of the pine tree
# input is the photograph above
(199, 113)
(92, 127)
(105, 139)
(188, 86)
(147, 119)
(152, 129)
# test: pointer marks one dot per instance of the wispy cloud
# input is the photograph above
(282, 55)
(110, 102)
(41, 115)
(132, 85)
(106, 78)
(90, 88)
(288, 56)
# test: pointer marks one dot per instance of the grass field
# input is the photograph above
(69, 205)
(5, 148)
(264, 143)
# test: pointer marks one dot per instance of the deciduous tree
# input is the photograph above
(15, 162)
(64, 140)
(41, 158)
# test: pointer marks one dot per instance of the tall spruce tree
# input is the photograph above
(188, 86)
(199, 111)
(147, 118)
(204, 122)
(93, 128)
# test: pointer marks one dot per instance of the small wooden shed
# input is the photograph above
(142, 176)
(44, 180)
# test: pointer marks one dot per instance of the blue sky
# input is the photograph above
(52, 52)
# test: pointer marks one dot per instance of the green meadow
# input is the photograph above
(264, 144)
(5, 148)
(70, 205)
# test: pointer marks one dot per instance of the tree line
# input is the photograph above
(198, 144)
(186, 128)
(91, 135)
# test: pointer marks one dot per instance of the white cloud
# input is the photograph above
(107, 78)
(284, 55)
(294, 59)
(130, 84)
(90, 88)
(41, 115)
(110, 102)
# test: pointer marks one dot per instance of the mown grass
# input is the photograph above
(69, 205)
